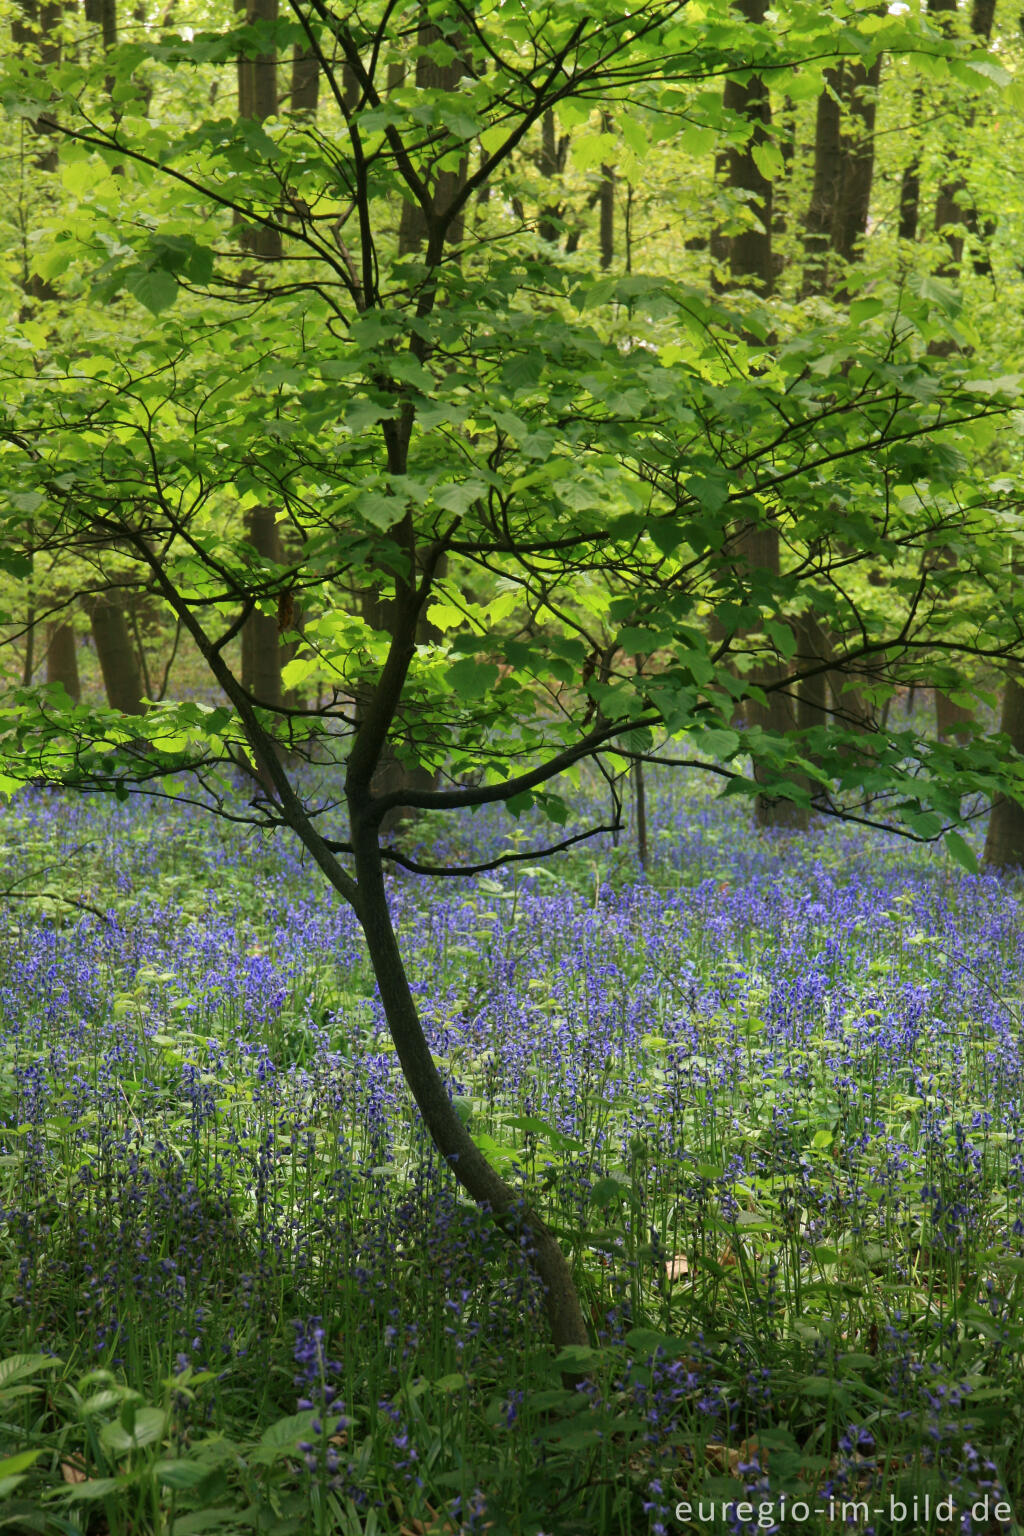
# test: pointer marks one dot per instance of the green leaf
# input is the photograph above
(154, 287)
(718, 743)
(960, 852)
(472, 679)
(381, 510)
(181, 1474)
(92, 1488)
(768, 159)
(147, 1426)
(17, 1367)
(18, 1463)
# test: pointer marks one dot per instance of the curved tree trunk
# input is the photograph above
(450, 1135)
(1004, 844)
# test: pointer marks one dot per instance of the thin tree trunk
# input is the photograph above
(640, 789)
(606, 206)
(29, 664)
(450, 1135)
(551, 164)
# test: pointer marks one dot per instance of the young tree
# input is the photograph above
(458, 423)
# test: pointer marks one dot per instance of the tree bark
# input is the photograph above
(305, 92)
(445, 184)
(860, 90)
(950, 718)
(450, 1135)
(751, 264)
(122, 677)
(750, 251)
(62, 659)
(955, 213)
(819, 220)
(844, 164)
(261, 648)
(257, 98)
(606, 208)
(551, 164)
(1004, 842)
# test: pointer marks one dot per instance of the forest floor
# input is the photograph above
(770, 1091)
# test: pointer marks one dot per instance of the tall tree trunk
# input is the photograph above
(954, 211)
(261, 647)
(1004, 842)
(304, 96)
(861, 84)
(835, 225)
(819, 220)
(122, 677)
(606, 208)
(445, 184)
(750, 250)
(257, 98)
(750, 264)
(62, 658)
(950, 718)
(551, 164)
(261, 650)
(844, 166)
(37, 28)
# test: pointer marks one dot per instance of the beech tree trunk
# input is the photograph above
(955, 213)
(819, 220)
(257, 98)
(860, 93)
(835, 224)
(122, 676)
(62, 659)
(1004, 843)
(950, 718)
(606, 207)
(445, 184)
(37, 28)
(261, 647)
(749, 252)
(305, 92)
(750, 264)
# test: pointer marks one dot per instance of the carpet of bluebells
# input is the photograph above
(769, 1093)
